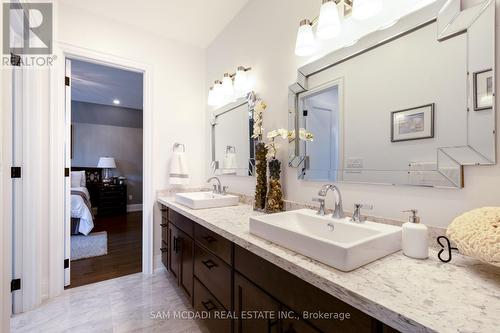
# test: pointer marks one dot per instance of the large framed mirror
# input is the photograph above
(409, 105)
(232, 146)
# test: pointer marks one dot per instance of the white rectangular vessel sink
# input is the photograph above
(344, 245)
(201, 200)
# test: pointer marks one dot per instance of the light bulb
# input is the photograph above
(241, 81)
(227, 86)
(305, 45)
(329, 21)
(363, 9)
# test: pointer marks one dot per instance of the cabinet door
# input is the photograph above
(296, 326)
(186, 263)
(249, 300)
(174, 252)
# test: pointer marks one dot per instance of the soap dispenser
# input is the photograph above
(415, 237)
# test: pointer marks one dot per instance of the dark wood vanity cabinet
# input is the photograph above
(244, 293)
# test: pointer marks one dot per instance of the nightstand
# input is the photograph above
(112, 200)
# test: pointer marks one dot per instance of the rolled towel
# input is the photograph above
(179, 172)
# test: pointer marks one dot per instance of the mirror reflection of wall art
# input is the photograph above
(413, 124)
(483, 90)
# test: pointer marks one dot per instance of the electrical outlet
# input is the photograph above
(130, 197)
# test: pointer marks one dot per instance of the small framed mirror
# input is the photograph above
(233, 148)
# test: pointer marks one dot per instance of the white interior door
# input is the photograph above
(67, 182)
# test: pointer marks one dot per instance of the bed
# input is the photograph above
(82, 219)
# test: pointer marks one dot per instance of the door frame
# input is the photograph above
(57, 163)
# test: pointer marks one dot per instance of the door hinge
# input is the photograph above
(66, 263)
(304, 113)
(15, 285)
(15, 60)
(67, 81)
(15, 172)
(66, 172)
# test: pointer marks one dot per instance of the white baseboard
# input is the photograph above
(134, 208)
(157, 264)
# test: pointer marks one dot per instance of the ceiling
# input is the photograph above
(172, 19)
(102, 84)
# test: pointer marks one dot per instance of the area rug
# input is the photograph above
(93, 245)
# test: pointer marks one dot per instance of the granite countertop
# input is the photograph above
(407, 294)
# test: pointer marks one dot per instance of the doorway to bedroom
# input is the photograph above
(105, 132)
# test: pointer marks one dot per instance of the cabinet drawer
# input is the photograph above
(164, 230)
(217, 244)
(298, 295)
(214, 274)
(181, 222)
(205, 302)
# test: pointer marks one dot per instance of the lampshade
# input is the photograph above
(227, 86)
(106, 162)
(218, 95)
(329, 21)
(305, 45)
(241, 81)
(363, 9)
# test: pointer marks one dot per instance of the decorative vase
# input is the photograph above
(261, 173)
(274, 201)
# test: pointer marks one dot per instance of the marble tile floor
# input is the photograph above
(126, 304)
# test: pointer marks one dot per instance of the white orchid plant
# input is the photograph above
(283, 133)
(258, 120)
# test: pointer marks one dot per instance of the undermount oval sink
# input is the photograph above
(202, 200)
(339, 243)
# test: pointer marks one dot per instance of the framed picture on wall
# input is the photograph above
(413, 124)
(483, 90)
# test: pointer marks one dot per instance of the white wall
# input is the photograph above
(263, 36)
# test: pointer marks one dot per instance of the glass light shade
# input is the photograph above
(241, 81)
(363, 9)
(329, 21)
(218, 95)
(211, 97)
(305, 45)
(227, 86)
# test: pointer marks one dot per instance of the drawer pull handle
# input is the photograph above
(163, 225)
(176, 245)
(163, 249)
(209, 263)
(163, 209)
(209, 305)
(210, 239)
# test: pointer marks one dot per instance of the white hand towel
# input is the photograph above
(229, 165)
(179, 172)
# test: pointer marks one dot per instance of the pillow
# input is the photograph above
(76, 179)
(83, 180)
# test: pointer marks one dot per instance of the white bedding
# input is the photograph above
(80, 210)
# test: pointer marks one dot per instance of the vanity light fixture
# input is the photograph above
(116, 101)
(231, 87)
(328, 23)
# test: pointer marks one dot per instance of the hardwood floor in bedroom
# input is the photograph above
(124, 251)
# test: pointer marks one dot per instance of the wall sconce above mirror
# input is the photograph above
(233, 148)
(232, 87)
(419, 115)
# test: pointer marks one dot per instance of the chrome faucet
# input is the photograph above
(356, 216)
(338, 212)
(218, 188)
